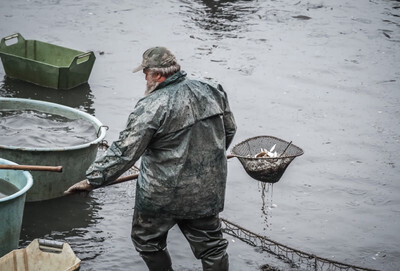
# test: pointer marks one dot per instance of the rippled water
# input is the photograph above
(30, 128)
(324, 74)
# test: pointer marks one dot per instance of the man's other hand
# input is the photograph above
(82, 186)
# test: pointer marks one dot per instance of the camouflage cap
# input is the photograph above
(156, 57)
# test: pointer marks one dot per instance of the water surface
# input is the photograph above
(323, 74)
(36, 129)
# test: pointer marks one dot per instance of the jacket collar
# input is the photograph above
(173, 79)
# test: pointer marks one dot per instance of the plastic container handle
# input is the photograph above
(50, 246)
(79, 57)
(51, 243)
(10, 37)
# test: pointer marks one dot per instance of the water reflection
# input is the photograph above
(72, 219)
(44, 217)
(221, 18)
(80, 97)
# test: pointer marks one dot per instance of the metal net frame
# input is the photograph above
(294, 257)
(265, 169)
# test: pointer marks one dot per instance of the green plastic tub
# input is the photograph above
(75, 160)
(45, 64)
(12, 207)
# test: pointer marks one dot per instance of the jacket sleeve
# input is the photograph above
(229, 120)
(124, 152)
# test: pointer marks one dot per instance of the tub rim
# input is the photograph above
(101, 132)
(25, 189)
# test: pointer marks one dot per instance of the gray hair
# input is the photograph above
(167, 72)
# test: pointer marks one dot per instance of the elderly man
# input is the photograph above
(180, 130)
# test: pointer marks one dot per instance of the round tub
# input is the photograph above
(75, 160)
(12, 207)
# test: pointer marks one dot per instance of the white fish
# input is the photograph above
(267, 153)
(273, 148)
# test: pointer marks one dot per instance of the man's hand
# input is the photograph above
(82, 186)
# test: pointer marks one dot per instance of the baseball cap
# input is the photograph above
(156, 57)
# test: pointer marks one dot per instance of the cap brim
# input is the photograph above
(139, 68)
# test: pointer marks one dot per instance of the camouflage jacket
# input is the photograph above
(181, 132)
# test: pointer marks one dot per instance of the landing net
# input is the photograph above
(268, 169)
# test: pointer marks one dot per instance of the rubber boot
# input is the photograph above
(216, 263)
(157, 261)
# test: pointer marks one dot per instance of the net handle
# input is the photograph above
(290, 143)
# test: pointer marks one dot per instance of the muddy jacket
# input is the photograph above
(180, 131)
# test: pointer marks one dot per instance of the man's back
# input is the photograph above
(185, 160)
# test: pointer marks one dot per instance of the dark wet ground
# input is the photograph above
(324, 74)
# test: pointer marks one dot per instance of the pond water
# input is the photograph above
(323, 74)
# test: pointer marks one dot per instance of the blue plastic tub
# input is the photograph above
(12, 207)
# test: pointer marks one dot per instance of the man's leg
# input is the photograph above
(207, 243)
(149, 235)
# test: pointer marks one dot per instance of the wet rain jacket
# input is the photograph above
(180, 131)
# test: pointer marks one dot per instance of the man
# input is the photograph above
(180, 130)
